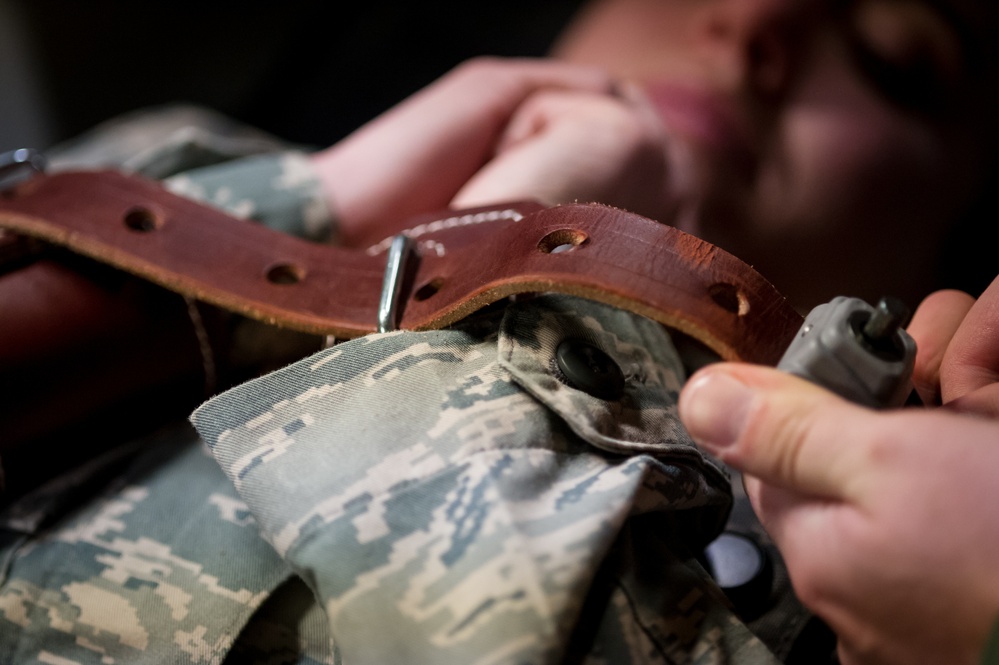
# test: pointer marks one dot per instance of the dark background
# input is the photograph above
(306, 70)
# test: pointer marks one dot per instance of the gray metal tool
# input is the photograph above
(859, 352)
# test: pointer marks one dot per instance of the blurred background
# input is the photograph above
(308, 71)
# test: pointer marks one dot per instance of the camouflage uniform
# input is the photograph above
(434, 497)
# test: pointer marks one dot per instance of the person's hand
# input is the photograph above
(957, 359)
(570, 145)
(496, 130)
(415, 157)
(888, 521)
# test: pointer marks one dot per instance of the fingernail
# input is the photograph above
(713, 407)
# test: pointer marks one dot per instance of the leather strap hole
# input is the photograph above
(429, 289)
(729, 297)
(562, 240)
(142, 220)
(285, 273)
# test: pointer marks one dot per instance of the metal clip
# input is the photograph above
(17, 251)
(20, 164)
(399, 254)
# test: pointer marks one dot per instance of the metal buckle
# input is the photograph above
(17, 251)
(18, 165)
(399, 254)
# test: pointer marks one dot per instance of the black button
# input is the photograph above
(589, 369)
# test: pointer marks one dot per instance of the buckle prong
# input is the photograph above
(400, 253)
(20, 164)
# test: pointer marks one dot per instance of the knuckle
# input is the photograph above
(614, 121)
(480, 63)
(810, 582)
(883, 445)
(808, 589)
(480, 68)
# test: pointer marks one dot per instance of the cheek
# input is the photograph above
(845, 166)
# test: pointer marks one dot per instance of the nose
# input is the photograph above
(753, 42)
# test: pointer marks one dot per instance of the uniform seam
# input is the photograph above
(641, 625)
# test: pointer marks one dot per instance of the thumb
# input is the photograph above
(777, 427)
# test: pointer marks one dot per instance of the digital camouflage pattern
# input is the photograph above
(148, 555)
(451, 500)
(436, 497)
(162, 565)
(293, 203)
(210, 158)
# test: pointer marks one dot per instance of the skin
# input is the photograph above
(827, 177)
(805, 164)
(818, 129)
(776, 129)
(888, 521)
(497, 130)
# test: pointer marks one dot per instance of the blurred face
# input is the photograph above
(831, 144)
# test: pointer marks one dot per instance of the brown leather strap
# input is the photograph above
(467, 260)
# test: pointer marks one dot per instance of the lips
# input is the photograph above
(711, 147)
(706, 121)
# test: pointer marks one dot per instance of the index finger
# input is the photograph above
(933, 326)
(972, 358)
